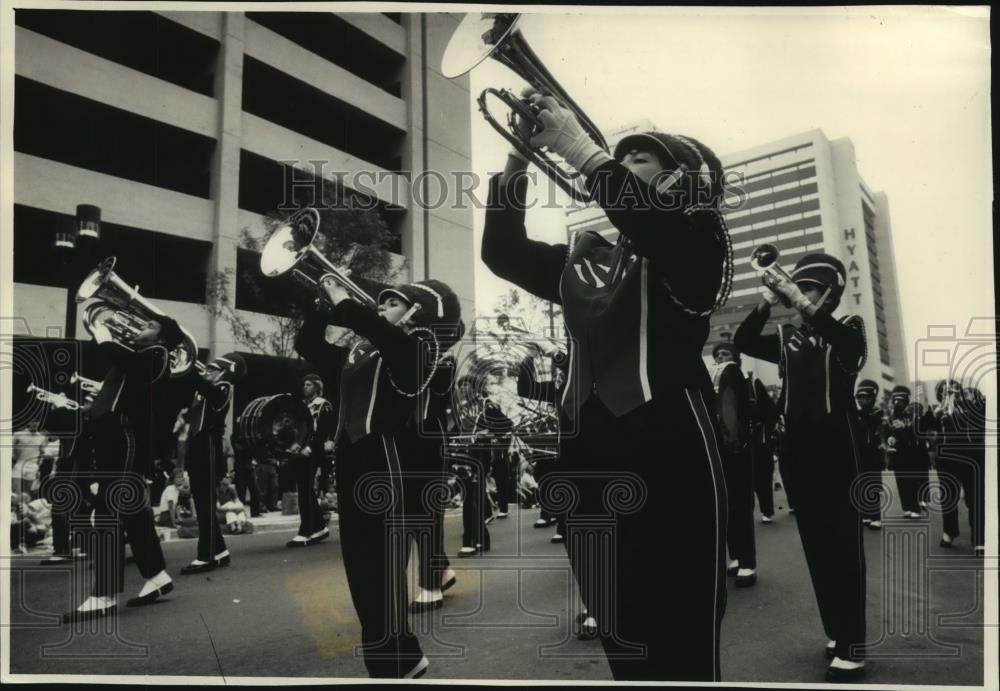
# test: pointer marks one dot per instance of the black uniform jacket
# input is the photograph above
(629, 338)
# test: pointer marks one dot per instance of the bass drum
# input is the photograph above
(270, 425)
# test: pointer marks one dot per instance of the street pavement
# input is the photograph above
(279, 612)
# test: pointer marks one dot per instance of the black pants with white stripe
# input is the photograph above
(738, 469)
(206, 466)
(373, 540)
(121, 505)
(963, 468)
(819, 467)
(643, 500)
(310, 515)
(763, 478)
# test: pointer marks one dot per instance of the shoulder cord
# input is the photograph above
(434, 367)
(864, 340)
(727, 265)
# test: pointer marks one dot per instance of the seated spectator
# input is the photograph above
(230, 510)
(28, 526)
(169, 498)
(184, 516)
(527, 486)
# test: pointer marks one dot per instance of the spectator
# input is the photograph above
(28, 524)
(184, 516)
(230, 509)
(527, 486)
(165, 513)
(267, 481)
(28, 444)
(245, 477)
(181, 427)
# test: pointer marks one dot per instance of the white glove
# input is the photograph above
(791, 292)
(563, 135)
(771, 298)
(328, 446)
(101, 333)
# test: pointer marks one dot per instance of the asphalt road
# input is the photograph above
(278, 612)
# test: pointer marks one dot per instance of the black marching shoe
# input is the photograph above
(746, 580)
(151, 597)
(588, 630)
(844, 671)
(79, 615)
(198, 567)
(223, 561)
(318, 536)
(731, 571)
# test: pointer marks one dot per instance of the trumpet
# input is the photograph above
(497, 35)
(292, 250)
(88, 386)
(56, 400)
(764, 260)
(120, 309)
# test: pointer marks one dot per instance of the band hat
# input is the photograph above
(900, 392)
(725, 345)
(646, 141)
(823, 270)
(867, 386)
(393, 292)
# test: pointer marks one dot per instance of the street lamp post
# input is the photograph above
(76, 243)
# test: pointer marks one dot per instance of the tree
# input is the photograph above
(531, 313)
(351, 234)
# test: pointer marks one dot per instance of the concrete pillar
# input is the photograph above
(226, 169)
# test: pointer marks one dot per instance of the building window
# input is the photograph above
(336, 40)
(143, 41)
(284, 100)
(164, 266)
(80, 132)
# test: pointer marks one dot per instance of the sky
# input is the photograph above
(909, 86)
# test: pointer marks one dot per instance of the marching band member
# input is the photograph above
(380, 380)
(306, 461)
(422, 445)
(637, 313)
(870, 424)
(733, 402)
(819, 360)
(74, 464)
(206, 463)
(960, 418)
(764, 418)
(901, 449)
(124, 428)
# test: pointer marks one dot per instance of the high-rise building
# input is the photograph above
(185, 128)
(803, 194)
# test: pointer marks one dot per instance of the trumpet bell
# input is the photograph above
(291, 251)
(763, 257)
(287, 245)
(474, 40)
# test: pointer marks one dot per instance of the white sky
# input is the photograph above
(909, 86)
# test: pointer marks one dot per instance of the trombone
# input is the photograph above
(497, 35)
(291, 250)
(57, 400)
